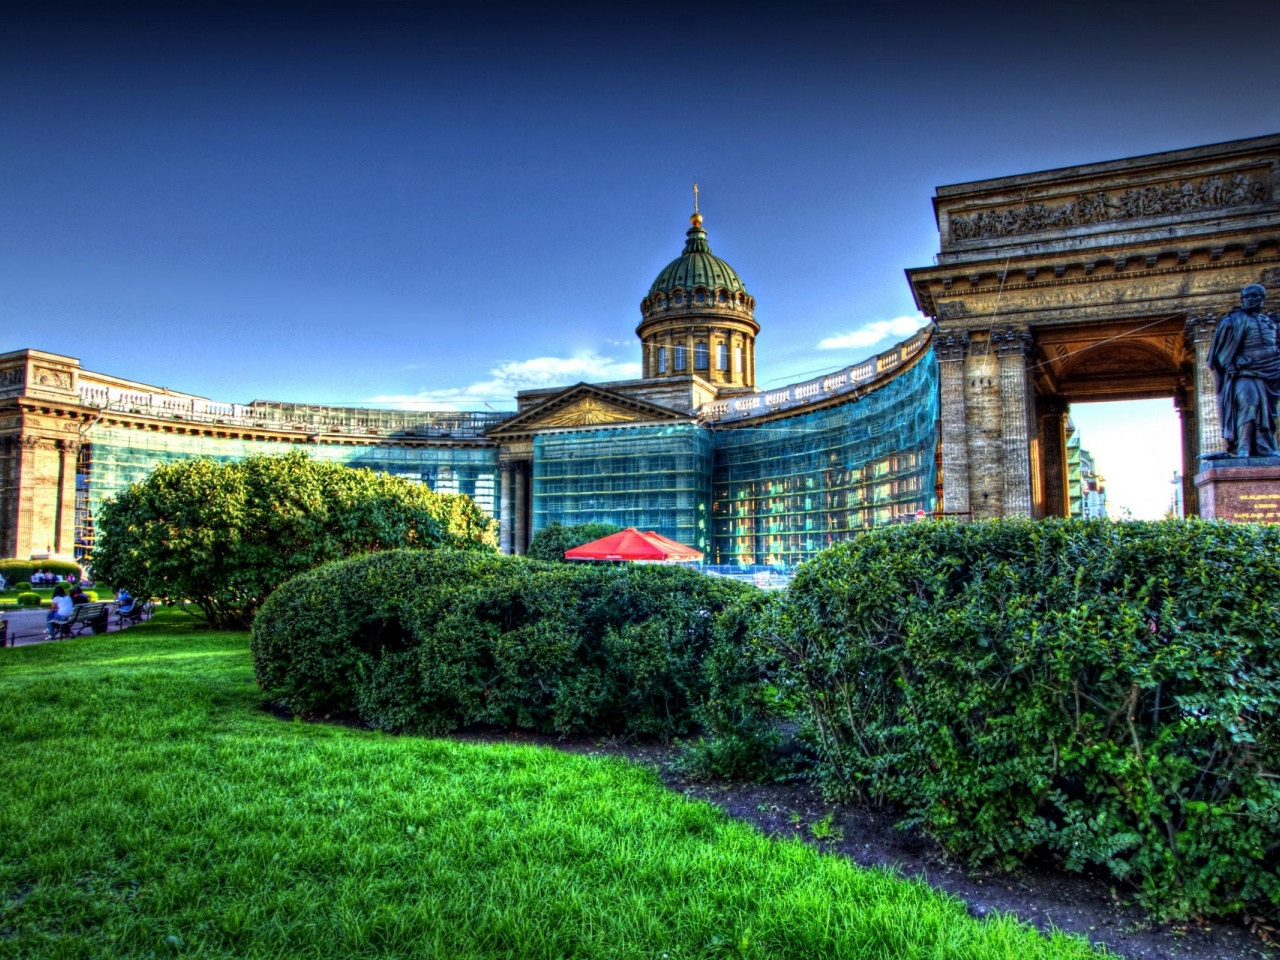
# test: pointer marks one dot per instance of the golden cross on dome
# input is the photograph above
(695, 197)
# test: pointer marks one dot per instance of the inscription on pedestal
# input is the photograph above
(1241, 494)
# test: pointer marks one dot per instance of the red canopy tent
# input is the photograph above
(631, 544)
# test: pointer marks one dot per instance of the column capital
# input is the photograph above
(1200, 329)
(1011, 342)
(951, 347)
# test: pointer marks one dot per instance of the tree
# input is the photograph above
(224, 535)
(554, 539)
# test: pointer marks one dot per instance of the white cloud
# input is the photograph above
(514, 375)
(870, 334)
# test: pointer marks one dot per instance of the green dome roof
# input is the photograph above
(696, 267)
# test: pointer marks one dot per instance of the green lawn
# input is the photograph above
(150, 808)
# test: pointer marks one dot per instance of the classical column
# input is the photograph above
(27, 495)
(1015, 432)
(951, 351)
(506, 507)
(1185, 403)
(1051, 426)
(1208, 426)
(64, 517)
(521, 507)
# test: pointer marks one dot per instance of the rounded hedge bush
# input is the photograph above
(431, 641)
(28, 599)
(23, 569)
(21, 586)
(1106, 692)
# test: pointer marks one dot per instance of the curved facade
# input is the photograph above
(692, 450)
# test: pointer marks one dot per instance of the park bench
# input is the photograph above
(4, 632)
(86, 616)
(139, 613)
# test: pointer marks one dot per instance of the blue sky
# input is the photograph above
(444, 203)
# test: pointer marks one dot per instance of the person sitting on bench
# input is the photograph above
(59, 610)
(124, 602)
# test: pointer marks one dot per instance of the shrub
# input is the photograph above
(22, 586)
(20, 570)
(551, 542)
(432, 641)
(1106, 692)
(224, 535)
(28, 600)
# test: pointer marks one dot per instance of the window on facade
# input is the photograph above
(679, 357)
(701, 296)
(700, 356)
(722, 357)
(737, 359)
(662, 359)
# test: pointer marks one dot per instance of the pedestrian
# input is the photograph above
(59, 611)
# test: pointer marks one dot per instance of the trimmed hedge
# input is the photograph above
(551, 542)
(17, 570)
(24, 586)
(28, 600)
(430, 641)
(1105, 692)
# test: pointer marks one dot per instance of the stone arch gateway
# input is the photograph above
(1095, 282)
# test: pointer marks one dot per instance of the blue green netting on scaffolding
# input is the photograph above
(788, 489)
(652, 478)
(115, 458)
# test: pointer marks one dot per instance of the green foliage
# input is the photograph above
(1106, 692)
(554, 539)
(431, 641)
(224, 535)
(19, 570)
(28, 600)
(151, 808)
(21, 586)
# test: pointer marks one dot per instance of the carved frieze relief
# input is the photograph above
(1270, 276)
(1157, 199)
(45, 377)
(14, 376)
(952, 310)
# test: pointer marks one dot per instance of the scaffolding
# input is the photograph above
(786, 489)
(651, 478)
(117, 456)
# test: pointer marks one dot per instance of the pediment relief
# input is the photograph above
(587, 411)
(583, 406)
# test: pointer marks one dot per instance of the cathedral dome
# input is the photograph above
(697, 267)
(699, 319)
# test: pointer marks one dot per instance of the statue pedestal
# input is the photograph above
(1243, 490)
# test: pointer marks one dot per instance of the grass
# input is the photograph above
(150, 808)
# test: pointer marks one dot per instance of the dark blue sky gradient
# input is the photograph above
(335, 202)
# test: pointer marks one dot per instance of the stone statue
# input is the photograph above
(1245, 359)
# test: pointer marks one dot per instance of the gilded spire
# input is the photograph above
(696, 219)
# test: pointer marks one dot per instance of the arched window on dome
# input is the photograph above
(678, 297)
(700, 296)
(679, 358)
(662, 359)
(722, 296)
(722, 361)
(700, 357)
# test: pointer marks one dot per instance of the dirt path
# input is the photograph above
(1038, 894)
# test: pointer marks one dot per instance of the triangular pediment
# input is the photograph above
(584, 405)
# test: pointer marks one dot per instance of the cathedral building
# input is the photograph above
(693, 449)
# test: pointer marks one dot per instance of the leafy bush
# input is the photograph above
(551, 542)
(431, 641)
(28, 600)
(224, 535)
(20, 570)
(22, 586)
(1106, 692)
